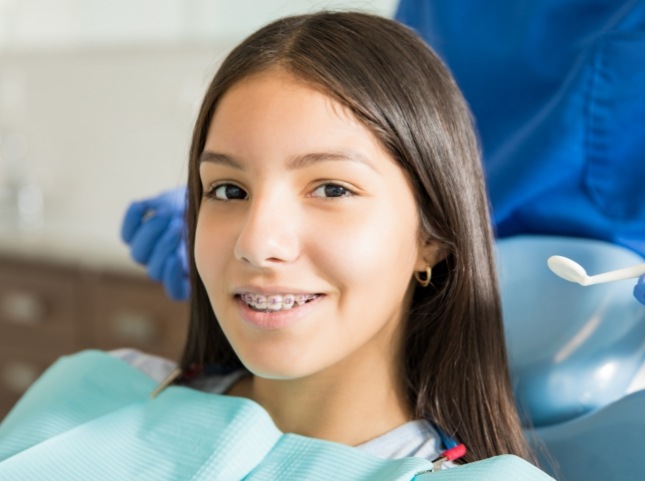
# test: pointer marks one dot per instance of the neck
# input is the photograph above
(348, 406)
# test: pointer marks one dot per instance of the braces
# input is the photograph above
(263, 303)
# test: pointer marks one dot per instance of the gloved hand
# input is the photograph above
(154, 228)
(639, 290)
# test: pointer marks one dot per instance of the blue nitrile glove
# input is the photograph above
(154, 228)
(639, 290)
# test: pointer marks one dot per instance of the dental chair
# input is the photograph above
(577, 357)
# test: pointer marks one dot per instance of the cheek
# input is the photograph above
(373, 252)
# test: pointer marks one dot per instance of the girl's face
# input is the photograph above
(308, 233)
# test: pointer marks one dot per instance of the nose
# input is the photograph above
(269, 231)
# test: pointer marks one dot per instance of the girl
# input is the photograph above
(340, 243)
(341, 270)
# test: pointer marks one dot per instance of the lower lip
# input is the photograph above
(273, 320)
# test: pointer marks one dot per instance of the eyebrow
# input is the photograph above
(297, 162)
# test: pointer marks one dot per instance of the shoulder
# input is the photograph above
(158, 368)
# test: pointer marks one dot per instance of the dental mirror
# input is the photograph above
(574, 272)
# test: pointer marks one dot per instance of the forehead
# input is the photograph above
(272, 82)
(276, 102)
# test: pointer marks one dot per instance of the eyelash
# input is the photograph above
(347, 192)
(211, 193)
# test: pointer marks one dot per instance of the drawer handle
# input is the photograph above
(22, 308)
(18, 376)
(130, 326)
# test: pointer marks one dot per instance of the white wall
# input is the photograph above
(47, 23)
(104, 95)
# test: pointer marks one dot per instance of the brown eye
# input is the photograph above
(332, 190)
(228, 192)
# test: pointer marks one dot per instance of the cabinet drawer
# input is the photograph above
(18, 370)
(137, 313)
(38, 307)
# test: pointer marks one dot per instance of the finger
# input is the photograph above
(133, 219)
(171, 202)
(166, 247)
(639, 290)
(183, 254)
(147, 236)
(175, 280)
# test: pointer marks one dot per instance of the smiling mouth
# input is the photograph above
(274, 303)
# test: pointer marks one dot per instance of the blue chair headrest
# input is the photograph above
(572, 349)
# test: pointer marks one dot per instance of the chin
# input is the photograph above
(277, 371)
(277, 367)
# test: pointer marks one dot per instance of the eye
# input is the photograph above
(227, 192)
(332, 190)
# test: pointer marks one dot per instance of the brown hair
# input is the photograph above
(453, 354)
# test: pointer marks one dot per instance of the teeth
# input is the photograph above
(287, 301)
(275, 302)
(260, 302)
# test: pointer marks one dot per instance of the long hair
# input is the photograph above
(453, 357)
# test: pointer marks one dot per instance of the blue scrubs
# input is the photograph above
(558, 92)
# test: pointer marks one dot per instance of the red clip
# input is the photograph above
(457, 452)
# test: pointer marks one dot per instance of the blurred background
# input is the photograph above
(97, 104)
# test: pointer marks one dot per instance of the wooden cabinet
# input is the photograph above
(129, 312)
(49, 310)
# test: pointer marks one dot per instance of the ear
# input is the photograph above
(430, 253)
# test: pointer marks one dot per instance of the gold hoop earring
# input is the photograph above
(428, 276)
